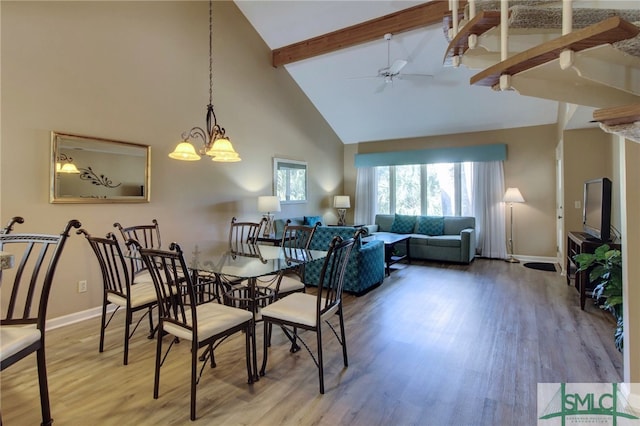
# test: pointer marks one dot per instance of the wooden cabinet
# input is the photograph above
(580, 242)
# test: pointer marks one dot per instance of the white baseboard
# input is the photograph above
(76, 317)
(543, 259)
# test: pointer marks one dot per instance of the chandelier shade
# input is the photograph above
(185, 151)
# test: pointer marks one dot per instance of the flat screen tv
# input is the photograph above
(596, 214)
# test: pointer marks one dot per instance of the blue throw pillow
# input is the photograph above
(403, 224)
(431, 225)
(312, 220)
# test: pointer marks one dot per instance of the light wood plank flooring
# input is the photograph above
(436, 344)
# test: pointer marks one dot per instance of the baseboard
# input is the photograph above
(523, 258)
(543, 259)
(76, 317)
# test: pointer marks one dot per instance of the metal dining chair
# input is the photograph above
(147, 236)
(182, 317)
(22, 324)
(118, 289)
(309, 312)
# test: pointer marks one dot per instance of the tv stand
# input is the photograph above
(577, 243)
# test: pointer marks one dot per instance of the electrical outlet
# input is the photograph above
(82, 286)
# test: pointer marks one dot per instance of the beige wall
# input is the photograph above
(588, 154)
(530, 166)
(138, 72)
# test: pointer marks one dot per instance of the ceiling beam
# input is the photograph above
(404, 20)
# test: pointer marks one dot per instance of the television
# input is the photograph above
(596, 213)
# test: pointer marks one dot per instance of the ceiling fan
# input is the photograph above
(392, 71)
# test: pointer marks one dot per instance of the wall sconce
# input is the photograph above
(266, 205)
(342, 203)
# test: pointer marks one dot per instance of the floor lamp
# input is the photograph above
(512, 195)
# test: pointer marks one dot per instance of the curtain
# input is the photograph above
(488, 208)
(365, 210)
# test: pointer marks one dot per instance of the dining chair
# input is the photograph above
(245, 232)
(308, 312)
(24, 313)
(7, 229)
(118, 289)
(294, 237)
(147, 236)
(242, 238)
(180, 316)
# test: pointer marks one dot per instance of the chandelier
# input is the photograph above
(216, 144)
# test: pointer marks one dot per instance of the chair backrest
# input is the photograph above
(332, 275)
(37, 257)
(297, 236)
(147, 236)
(174, 286)
(113, 266)
(7, 229)
(244, 232)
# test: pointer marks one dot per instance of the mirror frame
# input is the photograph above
(104, 146)
(277, 163)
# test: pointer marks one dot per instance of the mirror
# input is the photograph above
(290, 181)
(93, 170)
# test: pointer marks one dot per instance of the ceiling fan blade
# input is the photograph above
(414, 76)
(397, 65)
(381, 88)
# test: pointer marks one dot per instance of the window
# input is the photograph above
(290, 180)
(442, 189)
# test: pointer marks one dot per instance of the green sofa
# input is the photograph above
(454, 240)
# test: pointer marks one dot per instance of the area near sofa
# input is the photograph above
(442, 238)
(366, 267)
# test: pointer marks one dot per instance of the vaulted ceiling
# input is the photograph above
(359, 105)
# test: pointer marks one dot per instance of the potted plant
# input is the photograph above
(605, 271)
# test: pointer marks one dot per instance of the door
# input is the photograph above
(560, 240)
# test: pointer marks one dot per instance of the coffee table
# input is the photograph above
(390, 240)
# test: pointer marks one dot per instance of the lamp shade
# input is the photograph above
(185, 152)
(268, 204)
(341, 202)
(513, 195)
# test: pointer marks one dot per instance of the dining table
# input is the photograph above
(209, 261)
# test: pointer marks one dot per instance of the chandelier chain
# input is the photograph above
(211, 52)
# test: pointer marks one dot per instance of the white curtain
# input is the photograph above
(488, 208)
(365, 210)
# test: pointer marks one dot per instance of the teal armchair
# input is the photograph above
(365, 269)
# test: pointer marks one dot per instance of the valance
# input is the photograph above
(493, 152)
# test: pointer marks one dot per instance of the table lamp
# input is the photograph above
(266, 205)
(342, 203)
(512, 195)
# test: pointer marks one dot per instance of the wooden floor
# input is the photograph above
(436, 344)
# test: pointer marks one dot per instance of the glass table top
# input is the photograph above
(244, 260)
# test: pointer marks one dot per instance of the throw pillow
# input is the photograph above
(431, 225)
(403, 224)
(312, 220)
